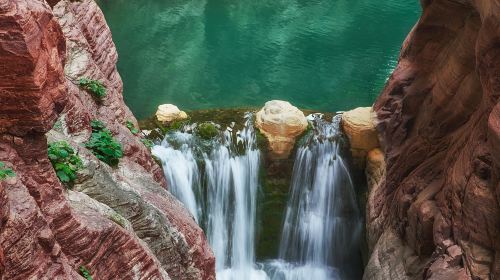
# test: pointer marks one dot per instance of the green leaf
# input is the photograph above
(5, 172)
(95, 87)
(64, 160)
(103, 145)
(63, 176)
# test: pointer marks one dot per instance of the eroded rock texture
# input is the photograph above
(437, 207)
(120, 223)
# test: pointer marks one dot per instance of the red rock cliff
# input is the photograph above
(436, 212)
(120, 223)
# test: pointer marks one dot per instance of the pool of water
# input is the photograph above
(326, 55)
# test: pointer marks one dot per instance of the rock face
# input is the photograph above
(437, 207)
(169, 113)
(120, 223)
(358, 124)
(281, 123)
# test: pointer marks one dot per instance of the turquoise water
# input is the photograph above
(326, 55)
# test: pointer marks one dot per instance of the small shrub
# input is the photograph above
(5, 172)
(65, 161)
(95, 87)
(103, 145)
(207, 130)
(148, 143)
(85, 272)
(131, 127)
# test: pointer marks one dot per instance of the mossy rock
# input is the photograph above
(207, 130)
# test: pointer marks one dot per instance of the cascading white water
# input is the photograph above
(218, 182)
(322, 225)
(219, 186)
(181, 170)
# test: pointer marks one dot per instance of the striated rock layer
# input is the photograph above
(435, 214)
(120, 223)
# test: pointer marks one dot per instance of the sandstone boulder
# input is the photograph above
(169, 113)
(281, 123)
(358, 125)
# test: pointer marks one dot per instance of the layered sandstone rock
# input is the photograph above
(358, 124)
(120, 223)
(281, 123)
(439, 120)
(169, 113)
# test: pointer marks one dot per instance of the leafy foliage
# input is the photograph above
(207, 130)
(5, 172)
(85, 272)
(103, 145)
(95, 87)
(130, 125)
(65, 161)
(148, 143)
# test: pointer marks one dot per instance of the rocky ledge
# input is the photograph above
(116, 222)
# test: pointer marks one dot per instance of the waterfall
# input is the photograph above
(218, 182)
(320, 234)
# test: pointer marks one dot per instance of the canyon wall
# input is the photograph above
(433, 209)
(118, 222)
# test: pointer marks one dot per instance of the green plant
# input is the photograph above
(95, 87)
(103, 145)
(148, 143)
(5, 172)
(65, 161)
(207, 130)
(130, 125)
(85, 272)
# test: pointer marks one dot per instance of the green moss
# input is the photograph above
(118, 219)
(207, 130)
(271, 207)
(148, 143)
(261, 139)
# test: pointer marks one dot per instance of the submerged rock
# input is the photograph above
(281, 123)
(358, 125)
(169, 113)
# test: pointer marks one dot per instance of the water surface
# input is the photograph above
(324, 55)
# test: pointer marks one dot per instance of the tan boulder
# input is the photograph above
(169, 113)
(358, 125)
(281, 123)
